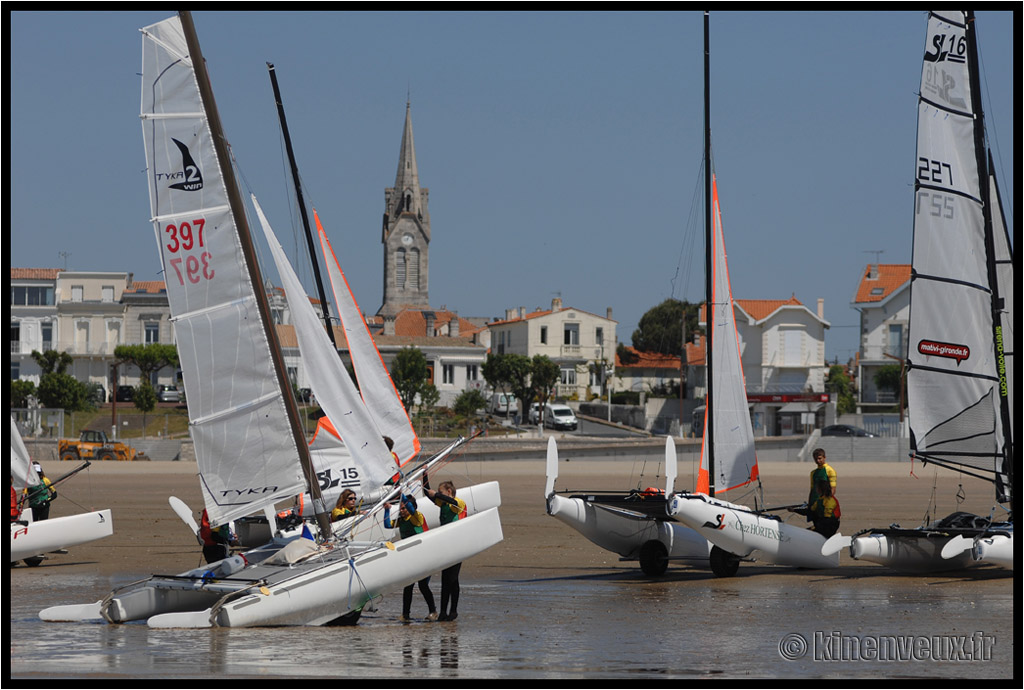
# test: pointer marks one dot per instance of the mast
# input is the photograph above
(252, 264)
(709, 427)
(302, 204)
(980, 152)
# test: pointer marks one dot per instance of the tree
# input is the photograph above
(144, 398)
(20, 392)
(409, 372)
(661, 327)
(149, 358)
(544, 374)
(53, 362)
(839, 382)
(469, 402)
(890, 378)
(57, 388)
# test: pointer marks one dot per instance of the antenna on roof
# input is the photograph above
(65, 255)
(877, 252)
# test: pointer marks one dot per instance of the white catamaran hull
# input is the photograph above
(910, 553)
(634, 536)
(746, 534)
(37, 538)
(996, 549)
(319, 591)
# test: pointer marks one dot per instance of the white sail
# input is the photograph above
(375, 384)
(245, 448)
(22, 474)
(952, 385)
(735, 462)
(330, 382)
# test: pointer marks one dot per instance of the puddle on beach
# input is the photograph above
(612, 623)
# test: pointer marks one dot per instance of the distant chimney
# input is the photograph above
(556, 304)
(510, 314)
(453, 326)
(608, 314)
(429, 316)
(821, 308)
(522, 312)
(872, 271)
(389, 324)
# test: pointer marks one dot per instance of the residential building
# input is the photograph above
(33, 318)
(883, 300)
(782, 351)
(647, 372)
(581, 343)
(147, 320)
(90, 321)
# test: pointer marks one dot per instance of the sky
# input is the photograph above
(562, 150)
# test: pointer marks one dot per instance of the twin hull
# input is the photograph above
(625, 534)
(317, 591)
(746, 534)
(37, 538)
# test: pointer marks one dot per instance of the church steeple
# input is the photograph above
(406, 231)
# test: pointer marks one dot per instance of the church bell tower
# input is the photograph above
(406, 233)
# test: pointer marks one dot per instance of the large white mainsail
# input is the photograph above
(375, 384)
(244, 443)
(22, 473)
(331, 384)
(952, 378)
(735, 463)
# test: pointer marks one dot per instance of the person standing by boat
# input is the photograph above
(40, 495)
(345, 507)
(410, 523)
(824, 511)
(15, 503)
(451, 509)
(822, 472)
(216, 542)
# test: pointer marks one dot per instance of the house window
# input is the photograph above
(569, 377)
(15, 338)
(448, 373)
(31, 296)
(599, 335)
(77, 293)
(152, 333)
(47, 331)
(895, 345)
(107, 293)
(543, 335)
(472, 372)
(571, 334)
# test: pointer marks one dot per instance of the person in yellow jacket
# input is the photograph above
(411, 522)
(824, 512)
(822, 472)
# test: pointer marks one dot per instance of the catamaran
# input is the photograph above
(31, 541)
(250, 448)
(728, 460)
(960, 368)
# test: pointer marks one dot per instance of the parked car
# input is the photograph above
(125, 393)
(560, 417)
(534, 416)
(166, 393)
(846, 430)
(503, 404)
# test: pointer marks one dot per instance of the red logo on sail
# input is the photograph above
(934, 348)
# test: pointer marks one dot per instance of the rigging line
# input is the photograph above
(991, 132)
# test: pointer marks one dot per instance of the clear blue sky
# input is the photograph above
(561, 149)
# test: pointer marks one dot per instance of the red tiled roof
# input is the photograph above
(34, 273)
(412, 323)
(648, 360)
(147, 286)
(889, 278)
(763, 308)
(531, 315)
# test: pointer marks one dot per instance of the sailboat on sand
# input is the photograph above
(31, 541)
(728, 461)
(243, 419)
(960, 367)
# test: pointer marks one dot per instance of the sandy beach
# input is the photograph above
(148, 536)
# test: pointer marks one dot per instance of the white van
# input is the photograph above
(504, 404)
(560, 417)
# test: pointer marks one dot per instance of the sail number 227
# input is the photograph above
(185, 240)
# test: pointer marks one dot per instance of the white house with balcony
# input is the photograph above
(883, 300)
(581, 343)
(782, 350)
(33, 318)
(90, 321)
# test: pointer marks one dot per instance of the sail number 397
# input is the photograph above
(190, 261)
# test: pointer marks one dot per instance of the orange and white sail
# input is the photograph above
(735, 463)
(375, 384)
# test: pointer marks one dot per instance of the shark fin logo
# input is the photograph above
(192, 176)
(717, 524)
